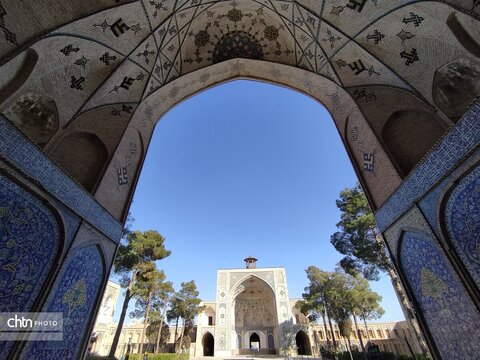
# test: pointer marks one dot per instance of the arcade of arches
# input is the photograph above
(82, 85)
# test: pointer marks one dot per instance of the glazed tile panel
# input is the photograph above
(446, 307)
(74, 295)
(463, 222)
(29, 242)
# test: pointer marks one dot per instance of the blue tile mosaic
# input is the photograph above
(447, 309)
(20, 151)
(462, 217)
(460, 141)
(429, 204)
(29, 243)
(74, 295)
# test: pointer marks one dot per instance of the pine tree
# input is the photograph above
(364, 248)
(133, 255)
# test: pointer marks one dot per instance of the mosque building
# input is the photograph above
(252, 314)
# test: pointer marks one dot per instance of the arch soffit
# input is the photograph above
(337, 34)
(351, 44)
(247, 277)
(136, 45)
(357, 134)
(328, 93)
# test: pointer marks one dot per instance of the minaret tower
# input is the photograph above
(250, 262)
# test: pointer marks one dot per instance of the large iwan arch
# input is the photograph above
(400, 79)
(255, 315)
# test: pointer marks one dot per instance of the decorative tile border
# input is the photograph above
(16, 149)
(461, 140)
(430, 203)
(411, 219)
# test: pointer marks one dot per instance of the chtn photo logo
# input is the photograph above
(19, 322)
(25, 322)
(44, 326)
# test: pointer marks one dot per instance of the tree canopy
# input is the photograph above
(366, 302)
(357, 236)
(338, 296)
(184, 305)
(139, 248)
(148, 284)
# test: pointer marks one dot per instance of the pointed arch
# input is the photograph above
(236, 286)
(303, 343)
(208, 344)
(86, 163)
(254, 341)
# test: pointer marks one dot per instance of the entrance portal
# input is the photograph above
(254, 342)
(208, 344)
(303, 344)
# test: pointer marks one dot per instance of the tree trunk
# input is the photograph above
(128, 296)
(157, 345)
(359, 334)
(349, 348)
(333, 334)
(140, 350)
(181, 336)
(366, 329)
(315, 339)
(326, 330)
(175, 336)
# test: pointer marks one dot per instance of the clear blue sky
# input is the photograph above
(246, 168)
